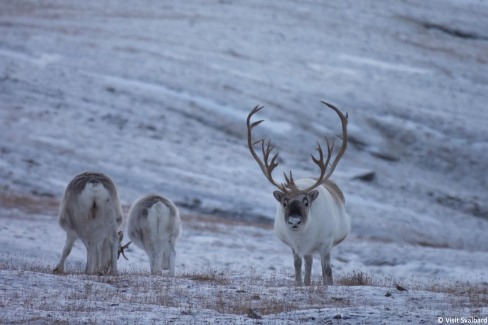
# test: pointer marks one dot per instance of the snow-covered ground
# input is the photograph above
(155, 95)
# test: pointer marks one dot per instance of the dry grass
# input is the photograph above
(209, 289)
(216, 224)
(356, 278)
(460, 294)
(226, 293)
(32, 204)
(463, 294)
(211, 275)
(359, 278)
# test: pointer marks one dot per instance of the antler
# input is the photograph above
(121, 250)
(320, 161)
(266, 167)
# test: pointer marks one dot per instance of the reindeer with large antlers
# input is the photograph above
(310, 215)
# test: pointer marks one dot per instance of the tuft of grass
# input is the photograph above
(356, 278)
(211, 275)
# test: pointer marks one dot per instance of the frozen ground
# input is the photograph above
(155, 94)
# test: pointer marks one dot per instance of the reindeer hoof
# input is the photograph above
(58, 270)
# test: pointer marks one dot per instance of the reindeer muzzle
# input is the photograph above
(294, 222)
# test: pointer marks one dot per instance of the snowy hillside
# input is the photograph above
(155, 95)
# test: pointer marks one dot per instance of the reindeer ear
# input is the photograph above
(313, 195)
(278, 195)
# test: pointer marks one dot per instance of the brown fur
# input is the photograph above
(77, 184)
(336, 192)
(334, 189)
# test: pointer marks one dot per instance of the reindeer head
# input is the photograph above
(295, 207)
(294, 201)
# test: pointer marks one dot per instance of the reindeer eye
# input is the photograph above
(305, 202)
(285, 203)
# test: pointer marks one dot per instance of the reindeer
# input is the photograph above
(91, 211)
(154, 225)
(310, 215)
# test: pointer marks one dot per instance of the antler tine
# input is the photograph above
(320, 161)
(266, 167)
(250, 143)
(344, 120)
(290, 179)
(330, 147)
(290, 183)
(266, 152)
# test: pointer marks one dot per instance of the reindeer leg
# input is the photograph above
(326, 268)
(153, 250)
(70, 240)
(171, 258)
(156, 262)
(98, 265)
(90, 257)
(114, 252)
(298, 268)
(308, 268)
(106, 256)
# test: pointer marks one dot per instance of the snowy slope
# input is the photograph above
(155, 94)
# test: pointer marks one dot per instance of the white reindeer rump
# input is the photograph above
(91, 211)
(154, 225)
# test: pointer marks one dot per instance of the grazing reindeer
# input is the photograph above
(91, 211)
(310, 215)
(154, 225)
